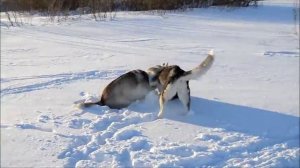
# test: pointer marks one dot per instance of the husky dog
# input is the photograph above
(124, 90)
(173, 82)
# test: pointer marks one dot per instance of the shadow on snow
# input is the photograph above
(215, 114)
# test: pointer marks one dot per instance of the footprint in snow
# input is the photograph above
(78, 123)
(207, 137)
(181, 151)
(126, 134)
(43, 118)
(139, 144)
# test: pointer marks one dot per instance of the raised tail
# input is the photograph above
(200, 69)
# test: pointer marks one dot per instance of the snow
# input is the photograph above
(244, 111)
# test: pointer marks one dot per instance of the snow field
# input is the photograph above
(244, 111)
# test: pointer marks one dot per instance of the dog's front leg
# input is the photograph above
(165, 96)
(161, 106)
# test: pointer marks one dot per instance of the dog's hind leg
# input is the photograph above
(184, 96)
(165, 96)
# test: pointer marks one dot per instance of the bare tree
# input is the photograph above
(9, 18)
(60, 10)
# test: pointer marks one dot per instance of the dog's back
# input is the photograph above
(170, 74)
(126, 89)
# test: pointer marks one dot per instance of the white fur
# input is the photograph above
(211, 52)
(183, 94)
(200, 69)
(165, 96)
(180, 87)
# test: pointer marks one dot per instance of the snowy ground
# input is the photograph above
(245, 110)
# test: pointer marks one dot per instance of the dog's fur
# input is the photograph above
(171, 81)
(124, 90)
(174, 82)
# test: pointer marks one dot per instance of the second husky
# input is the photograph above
(174, 82)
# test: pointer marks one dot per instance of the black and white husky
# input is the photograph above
(170, 80)
(173, 82)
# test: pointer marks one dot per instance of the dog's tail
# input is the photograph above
(200, 69)
(89, 104)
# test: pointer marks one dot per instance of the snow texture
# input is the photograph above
(244, 111)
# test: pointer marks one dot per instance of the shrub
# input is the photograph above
(113, 5)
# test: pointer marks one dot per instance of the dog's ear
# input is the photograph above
(165, 64)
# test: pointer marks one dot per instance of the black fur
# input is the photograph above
(169, 75)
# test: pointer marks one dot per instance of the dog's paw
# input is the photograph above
(190, 113)
(159, 117)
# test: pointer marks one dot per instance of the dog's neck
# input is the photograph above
(153, 75)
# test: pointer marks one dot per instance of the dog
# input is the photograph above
(126, 89)
(170, 81)
(173, 82)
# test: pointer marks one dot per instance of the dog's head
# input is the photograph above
(153, 74)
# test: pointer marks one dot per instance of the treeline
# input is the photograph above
(91, 6)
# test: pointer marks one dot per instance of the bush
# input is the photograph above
(113, 5)
(59, 10)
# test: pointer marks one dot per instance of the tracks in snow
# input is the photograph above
(117, 138)
(56, 80)
(109, 140)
